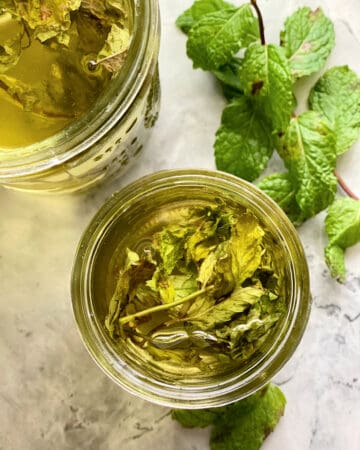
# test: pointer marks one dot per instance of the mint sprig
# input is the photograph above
(260, 116)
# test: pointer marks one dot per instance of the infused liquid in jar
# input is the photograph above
(147, 355)
(75, 107)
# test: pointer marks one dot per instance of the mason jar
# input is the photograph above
(106, 140)
(128, 219)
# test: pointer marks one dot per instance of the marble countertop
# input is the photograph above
(52, 396)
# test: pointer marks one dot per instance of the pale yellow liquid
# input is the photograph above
(38, 66)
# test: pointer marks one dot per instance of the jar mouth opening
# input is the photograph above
(207, 393)
(113, 103)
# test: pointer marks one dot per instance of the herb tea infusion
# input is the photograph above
(202, 294)
(190, 288)
(56, 58)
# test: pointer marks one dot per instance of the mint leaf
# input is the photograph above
(217, 37)
(49, 18)
(342, 226)
(243, 143)
(308, 39)
(337, 96)
(280, 188)
(229, 76)
(246, 424)
(10, 47)
(265, 76)
(114, 52)
(219, 314)
(198, 10)
(200, 418)
(308, 150)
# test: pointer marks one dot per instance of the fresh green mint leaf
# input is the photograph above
(280, 188)
(243, 143)
(246, 424)
(217, 37)
(265, 76)
(308, 150)
(343, 229)
(308, 38)
(199, 418)
(337, 96)
(199, 9)
(229, 76)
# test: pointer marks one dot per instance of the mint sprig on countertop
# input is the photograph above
(241, 426)
(260, 116)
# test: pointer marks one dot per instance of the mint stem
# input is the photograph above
(261, 22)
(163, 307)
(345, 187)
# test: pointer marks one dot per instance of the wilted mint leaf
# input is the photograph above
(308, 39)
(243, 143)
(114, 52)
(48, 18)
(246, 247)
(308, 150)
(107, 12)
(10, 48)
(199, 9)
(343, 230)
(46, 100)
(217, 37)
(280, 188)
(244, 425)
(239, 300)
(265, 76)
(337, 96)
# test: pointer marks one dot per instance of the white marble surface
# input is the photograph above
(52, 396)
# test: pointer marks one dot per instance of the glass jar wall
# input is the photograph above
(110, 136)
(126, 221)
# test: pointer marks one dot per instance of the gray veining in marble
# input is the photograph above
(52, 396)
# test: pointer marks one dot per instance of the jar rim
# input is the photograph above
(104, 113)
(175, 395)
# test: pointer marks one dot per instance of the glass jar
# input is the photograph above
(110, 136)
(127, 216)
